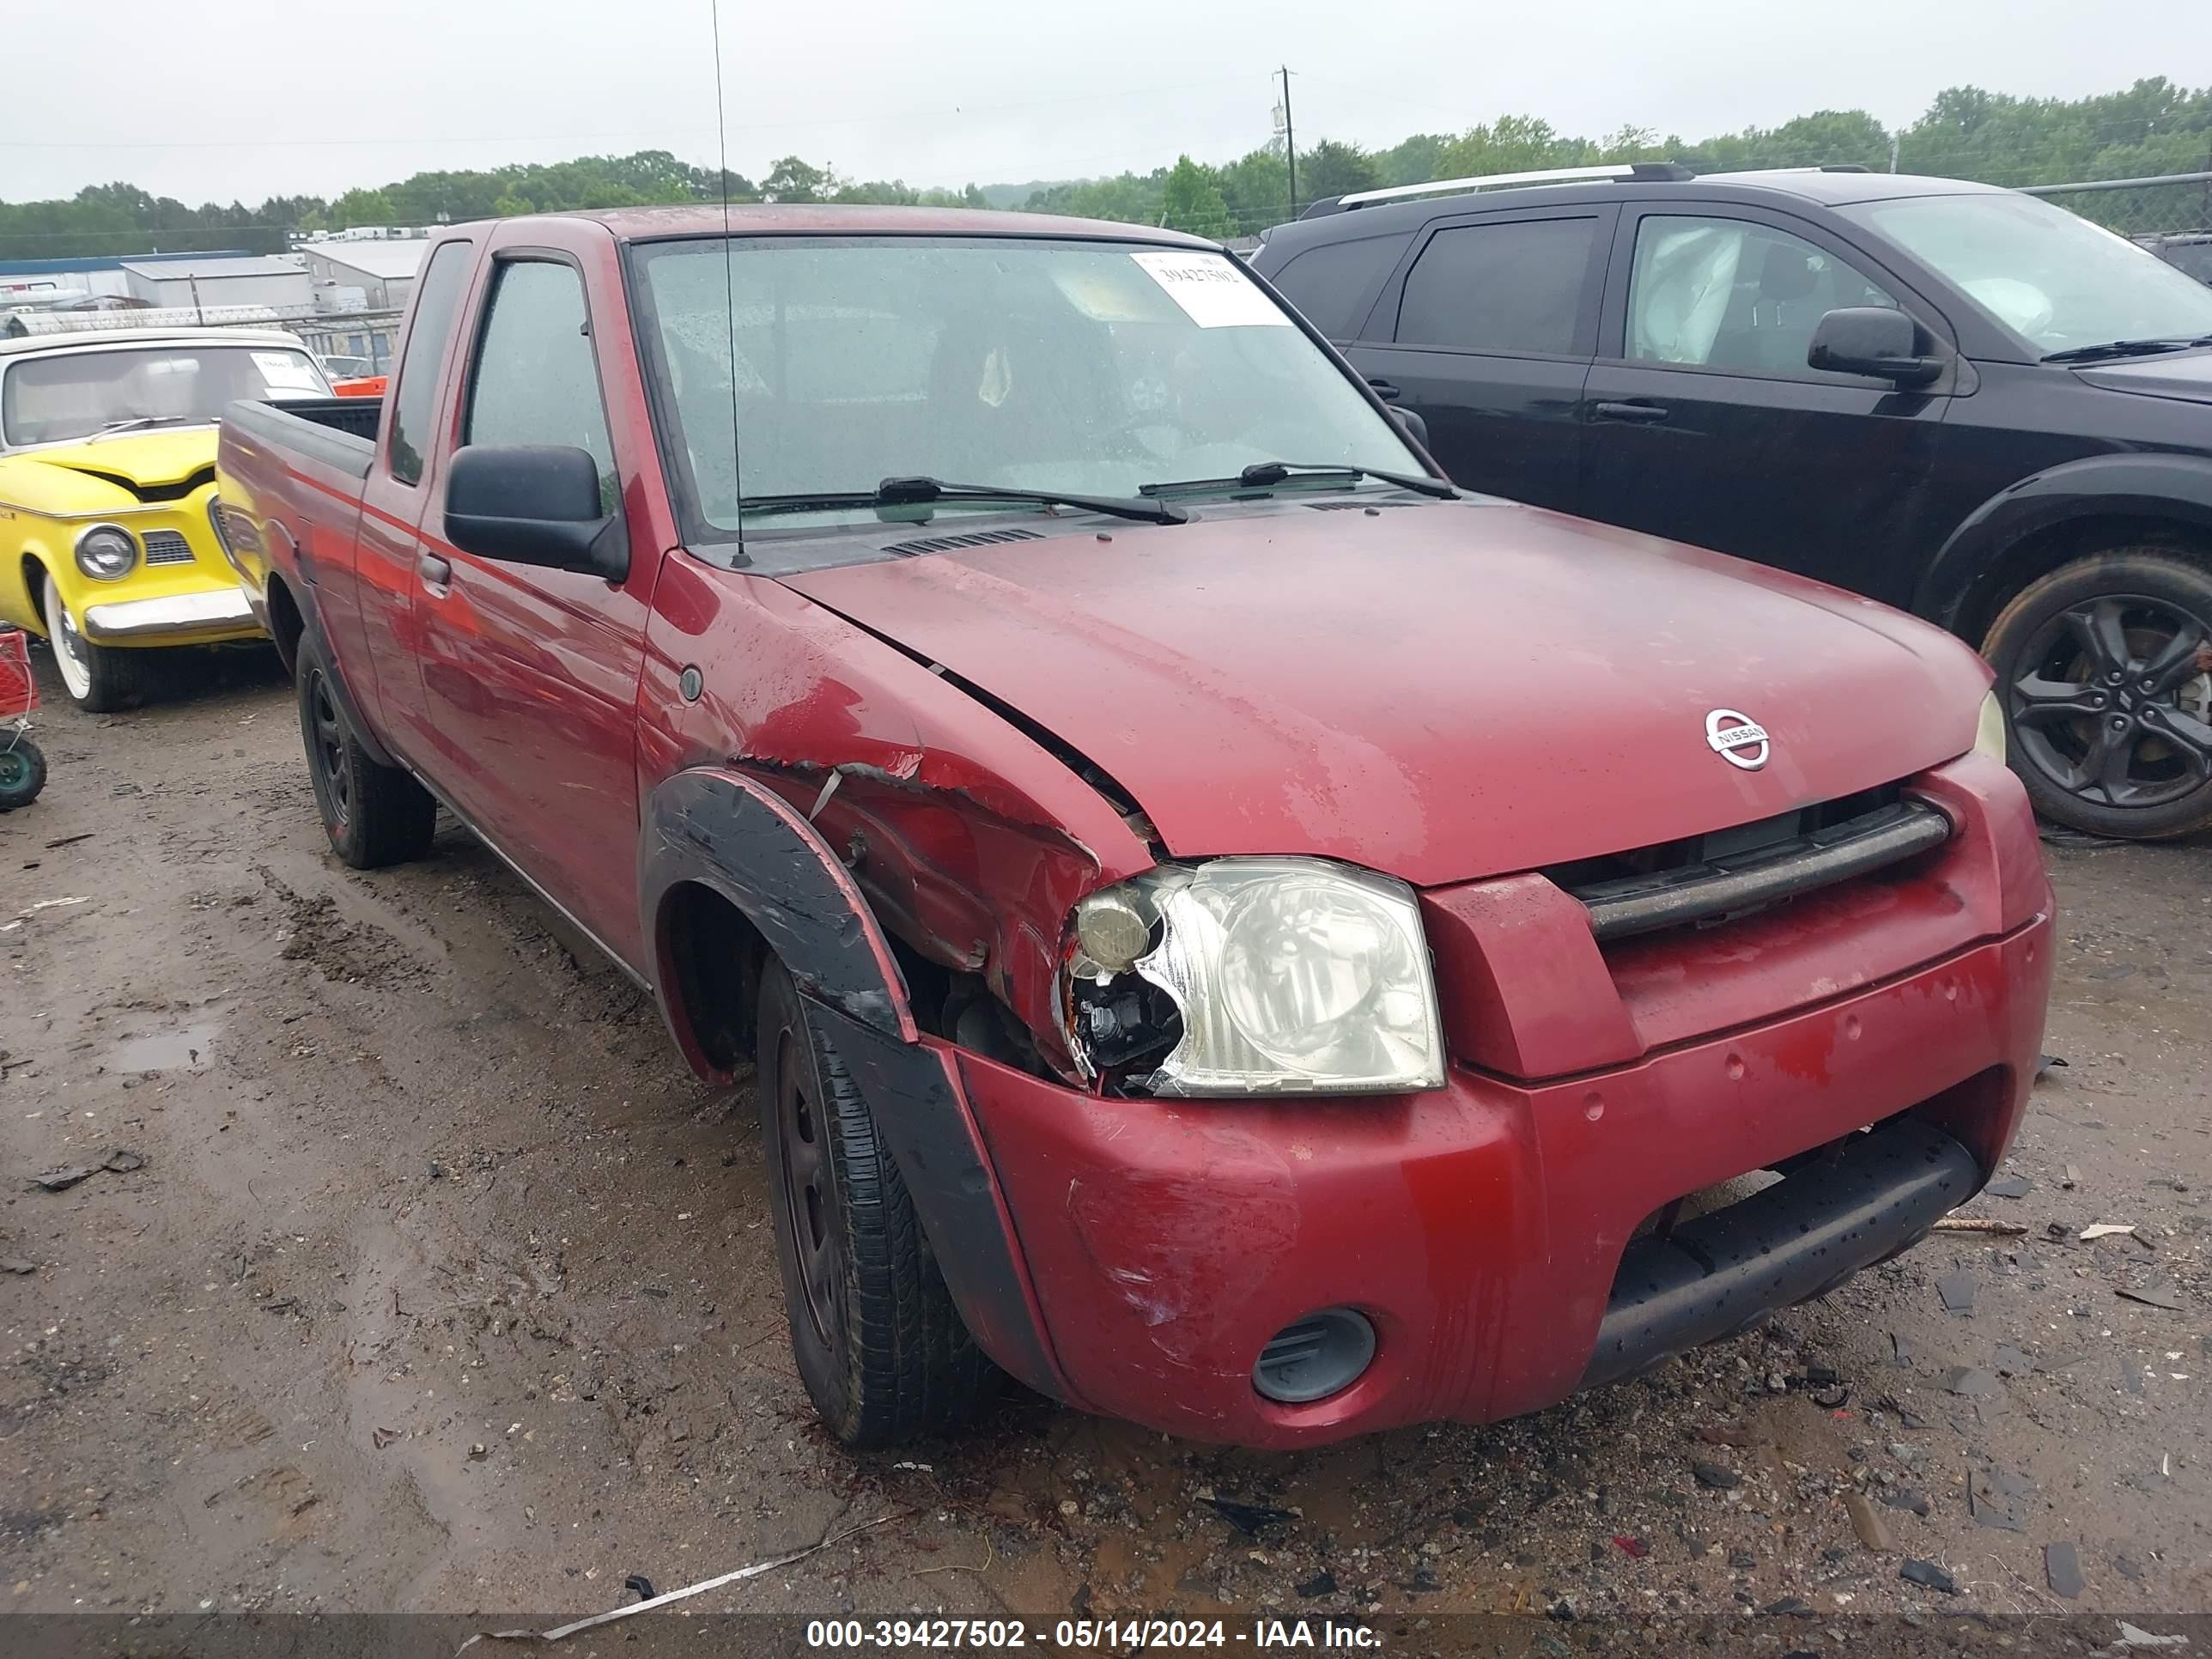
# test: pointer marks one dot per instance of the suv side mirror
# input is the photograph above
(536, 504)
(1872, 340)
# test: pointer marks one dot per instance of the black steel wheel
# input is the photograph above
(879, 1345)
(2105, 668)
(373, 815)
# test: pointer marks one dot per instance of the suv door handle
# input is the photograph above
(1644, 412)
(435, 572)
(1382, 389)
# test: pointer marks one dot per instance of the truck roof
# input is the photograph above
(838, 219)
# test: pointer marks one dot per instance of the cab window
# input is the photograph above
(537, 380)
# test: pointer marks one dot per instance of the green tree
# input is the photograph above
(362, 207)
(1192, 201)
(1330, 168)
(508, 206)
(792, 179)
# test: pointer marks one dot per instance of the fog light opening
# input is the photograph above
(1315, 1357)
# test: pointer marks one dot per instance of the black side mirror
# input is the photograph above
(1416, 428)
(1872, 340)
(534, 504)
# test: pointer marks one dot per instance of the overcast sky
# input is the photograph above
(222, 99)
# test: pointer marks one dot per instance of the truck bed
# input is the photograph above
(338, 432)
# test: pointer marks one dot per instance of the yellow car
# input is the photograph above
(107, 474)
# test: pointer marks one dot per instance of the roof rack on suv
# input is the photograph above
(1650, 172)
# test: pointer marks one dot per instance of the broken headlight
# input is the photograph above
(1255, 975)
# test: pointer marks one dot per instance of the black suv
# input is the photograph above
(1959, 400)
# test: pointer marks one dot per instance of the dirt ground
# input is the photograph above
(443, 1287)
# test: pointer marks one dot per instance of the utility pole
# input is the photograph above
(1894, 138)
(199, 310)
(1290, 142)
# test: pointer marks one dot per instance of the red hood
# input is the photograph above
(1440, 691)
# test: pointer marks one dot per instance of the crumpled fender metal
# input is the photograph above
(734, 835)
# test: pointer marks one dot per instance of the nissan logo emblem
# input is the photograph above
(1737, 739)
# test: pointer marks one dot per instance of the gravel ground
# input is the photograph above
(443, 1287)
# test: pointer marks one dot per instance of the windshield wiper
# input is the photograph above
(1266, 475)
(2090, 354)
(923, 492)
(138, 422)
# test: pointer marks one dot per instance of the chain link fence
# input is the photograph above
(2171, 215)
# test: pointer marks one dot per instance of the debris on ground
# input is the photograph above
(1322, 1583)
(122, 1161)
(2131, 1637)
(2162, 1293)
(640, 1586)
(2010, 1361)
(1716, 1478)
(2010, 1186)
(1864, 1521)
(60, 1180)
(2061, 1569)
(2102, 1229)
(17, 1265)
(1928, 1576)
(380, 1438)
(1907, 1498)
(1957, 1291)
(1970, 1383)
(1998, 1497)
(1635, 1548)
(2045, 1062)
(1724, 1434)
(755, 1570)
(1250, 1519)
(1978, 1224)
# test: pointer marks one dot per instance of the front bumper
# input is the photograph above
(1489, 1231)
(173, 618)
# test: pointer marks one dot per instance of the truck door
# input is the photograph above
(531, 675)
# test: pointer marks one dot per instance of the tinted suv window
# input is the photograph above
(1334, 282)
(1504, 288)
(414, 403)
(1728, 294)
(537, 381)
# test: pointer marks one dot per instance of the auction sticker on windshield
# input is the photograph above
(1212, 291)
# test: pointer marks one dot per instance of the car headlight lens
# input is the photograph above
(1989, 729)
(107, 552)
(1283, 974)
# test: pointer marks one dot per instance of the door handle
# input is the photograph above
(1644, 412)
(1382, 389)
(435, 572)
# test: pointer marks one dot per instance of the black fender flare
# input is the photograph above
(2136, 484)
(732, 834)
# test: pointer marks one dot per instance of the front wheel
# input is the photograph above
(100, 679)
(2105, 668)
(880, 1347)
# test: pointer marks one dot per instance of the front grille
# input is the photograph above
(1730, 873)
(166, 547)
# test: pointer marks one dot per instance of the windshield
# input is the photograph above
(2046, 274)
(74, 394)
(1078, 368)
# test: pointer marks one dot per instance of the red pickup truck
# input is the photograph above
(1231, 931)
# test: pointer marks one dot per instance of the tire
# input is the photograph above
(2105, 668)
(879, 1345)
(374, 815)
(22, 772)
(100, 679)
